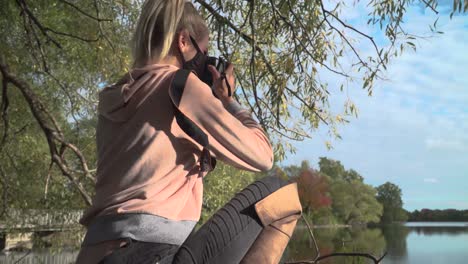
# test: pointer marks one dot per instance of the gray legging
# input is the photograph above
(224, 238)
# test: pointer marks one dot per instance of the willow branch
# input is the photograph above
(252, 60)
(83, 12)
(430, 6)
(352, 28)
(296, 39)
(255, 47)
(24, 7)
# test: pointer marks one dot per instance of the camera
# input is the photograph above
(219, 63)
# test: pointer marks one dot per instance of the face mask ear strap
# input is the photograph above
(182, 57)
(181, 54)
(195, 44)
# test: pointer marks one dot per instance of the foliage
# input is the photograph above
(436, 215)
(329, 240)
(332, 168)
(353, 201)
(389, 195)
(313, 190)
(55, 54)
(395, 237)
(326, 199)
(334, 195)
(293, 171)
(459, 6)
(221, 185)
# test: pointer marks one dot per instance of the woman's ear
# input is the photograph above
(183, 40)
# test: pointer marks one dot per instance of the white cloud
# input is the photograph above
(414, 128)
(431, 180)
(445, 144)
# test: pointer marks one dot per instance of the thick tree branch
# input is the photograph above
(53, 133)
(4, 109)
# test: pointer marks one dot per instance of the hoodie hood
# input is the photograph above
(120, 101)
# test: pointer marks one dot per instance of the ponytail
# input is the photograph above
(158, 25)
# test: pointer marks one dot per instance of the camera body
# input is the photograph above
(219, 63)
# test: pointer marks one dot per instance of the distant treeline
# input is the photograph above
(438, 215)
(330, 194)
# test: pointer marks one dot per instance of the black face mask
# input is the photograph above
(198, 63)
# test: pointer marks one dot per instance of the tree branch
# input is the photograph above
(98, 19)
(353, 29)
(25, 9)
(4, 109)
(430, 6)
(22, 4)
(52, 133)
(318, 257)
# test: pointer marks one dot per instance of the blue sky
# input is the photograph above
(413, 131)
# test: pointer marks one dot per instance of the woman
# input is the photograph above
(149, 175)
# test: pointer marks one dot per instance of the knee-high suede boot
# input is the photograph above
(278, 213)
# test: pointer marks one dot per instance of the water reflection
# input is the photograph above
(448, 231)
(410, 243)
(336, 240)
(39, 257)
(406, 244)
(395, 237)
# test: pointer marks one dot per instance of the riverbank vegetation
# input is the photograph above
(330, 195)
(56, 56)
(437, 215)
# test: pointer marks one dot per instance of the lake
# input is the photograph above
(413, 242)
(408, 243)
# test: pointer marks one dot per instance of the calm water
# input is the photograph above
(410, 243)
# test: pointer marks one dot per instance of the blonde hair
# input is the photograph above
(158, 25)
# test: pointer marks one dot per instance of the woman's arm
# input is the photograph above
(234, 136)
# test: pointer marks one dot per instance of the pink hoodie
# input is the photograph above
(147, 164)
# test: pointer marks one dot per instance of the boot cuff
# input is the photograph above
(280, 204)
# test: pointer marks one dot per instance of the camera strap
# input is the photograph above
(207, 163)
(224, 78)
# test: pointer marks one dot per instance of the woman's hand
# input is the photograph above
(219, 84)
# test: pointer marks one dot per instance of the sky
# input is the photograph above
(413, 130)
